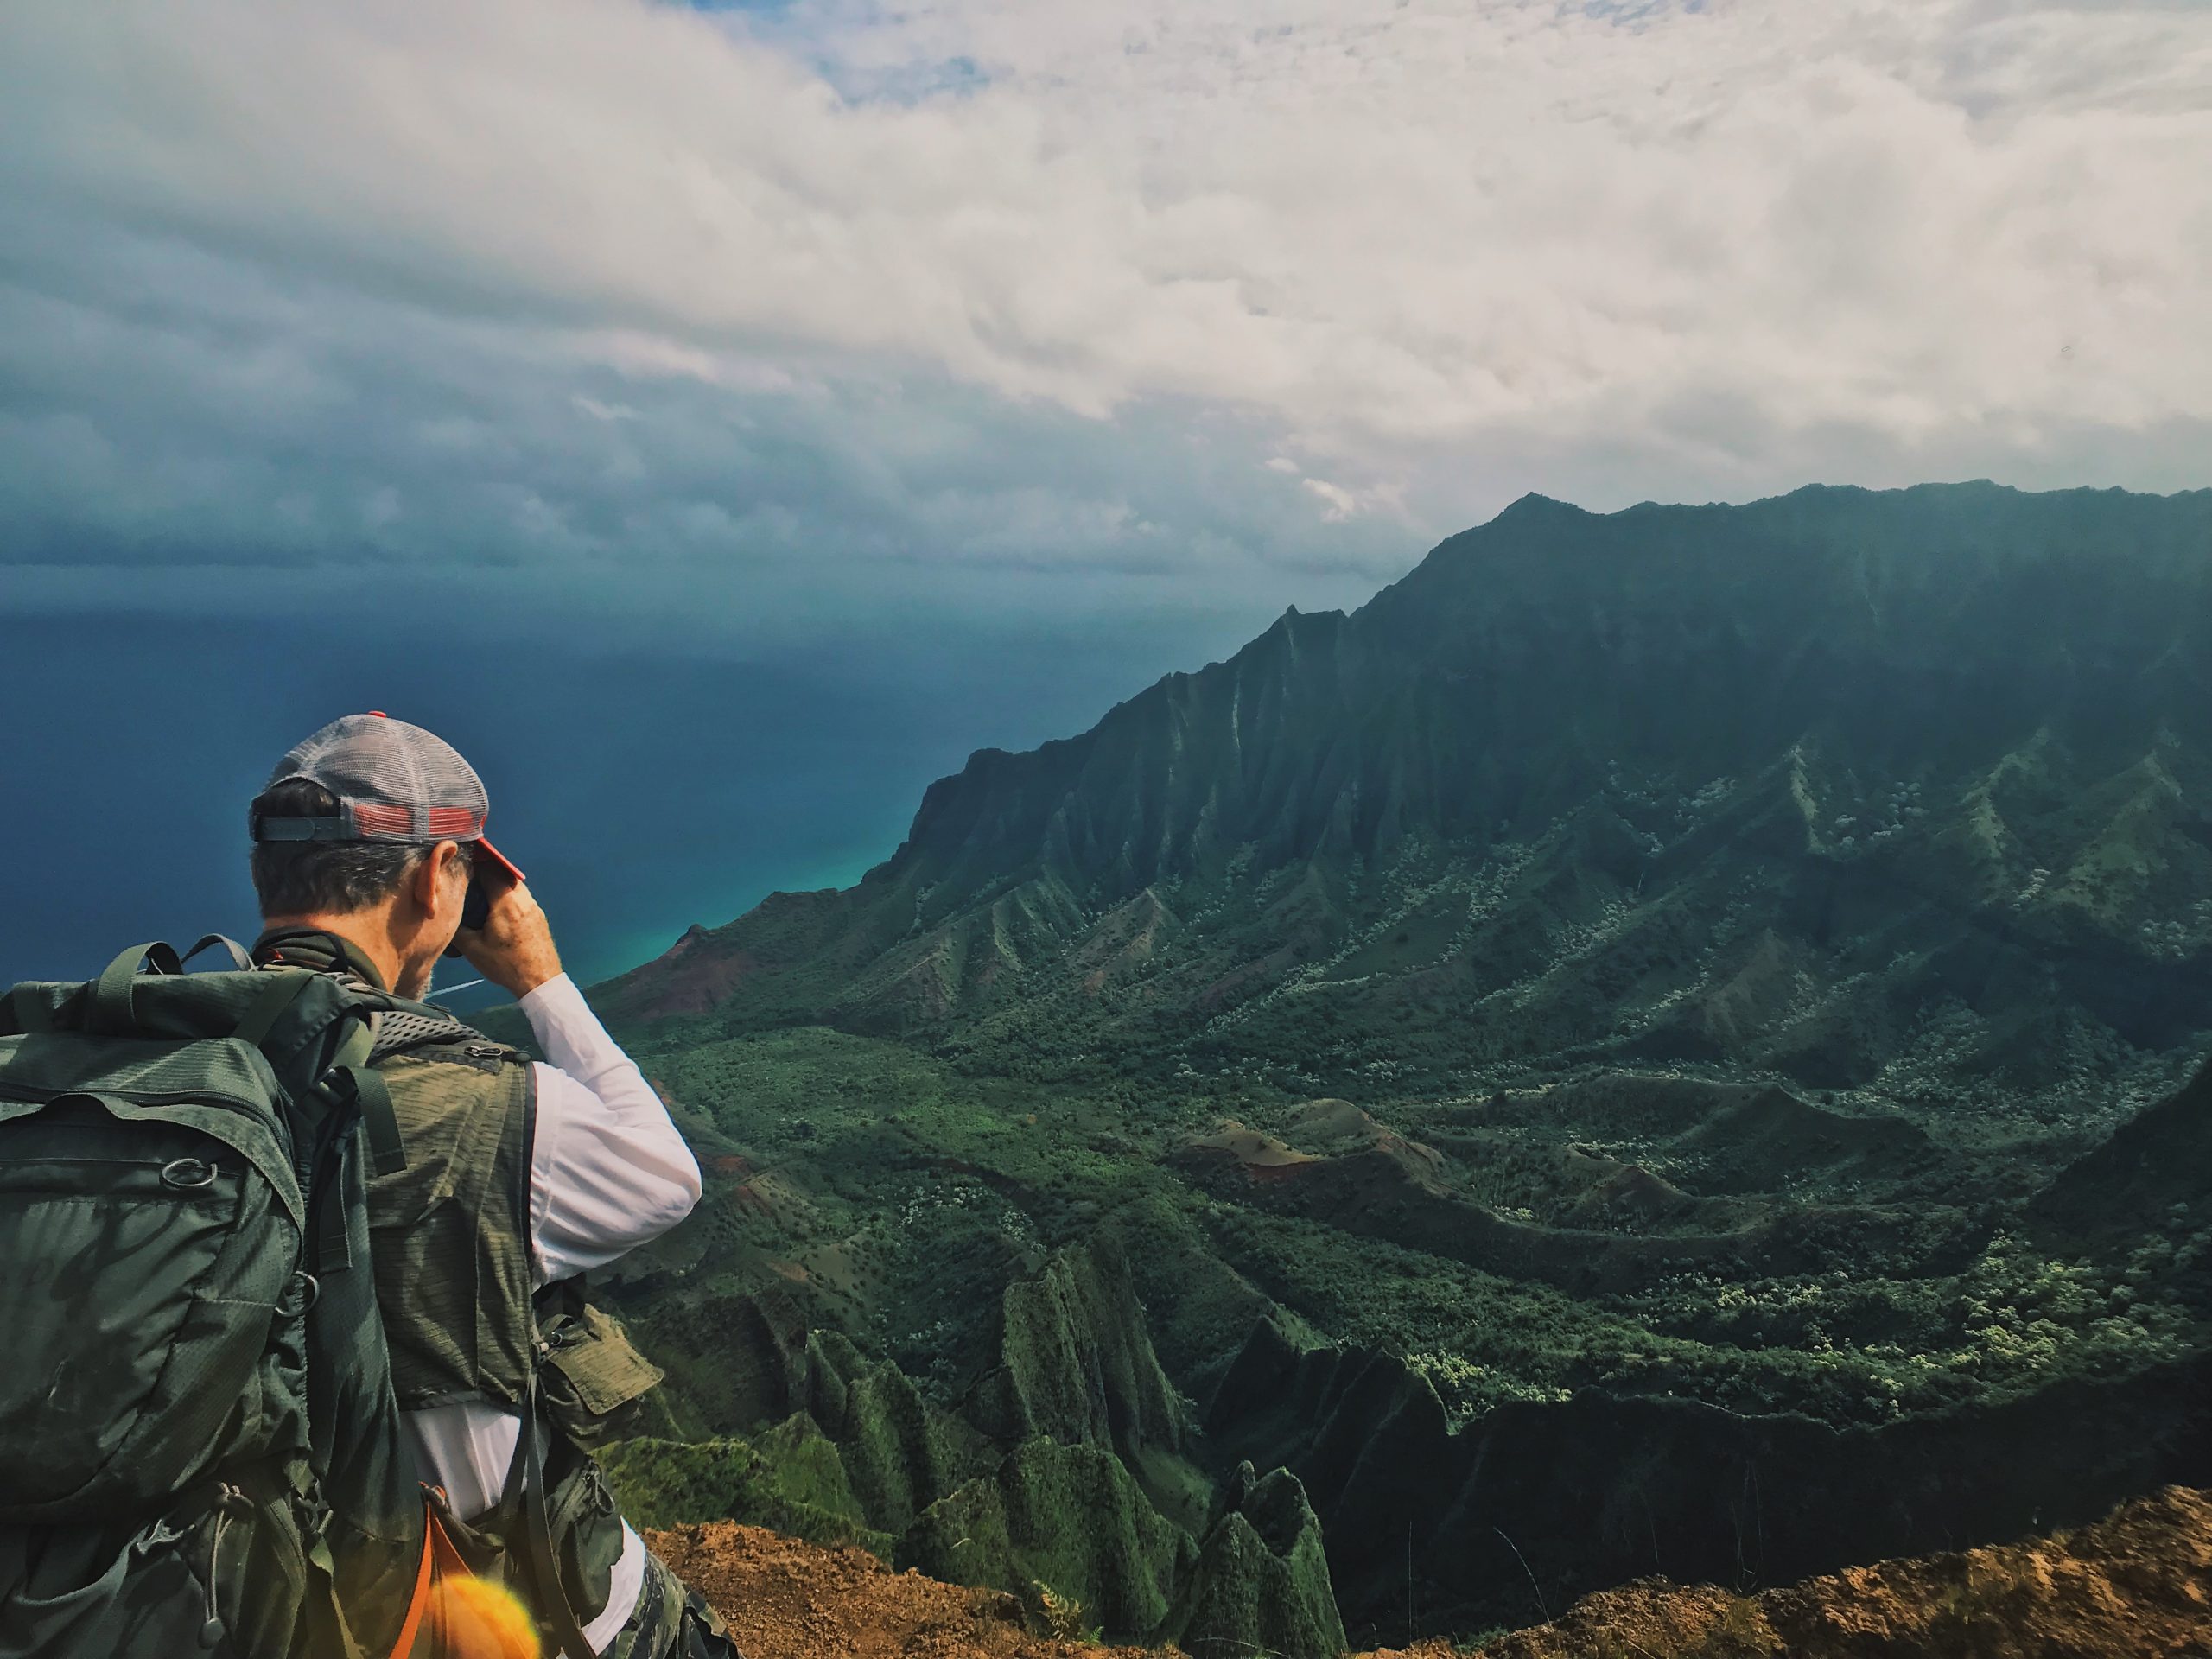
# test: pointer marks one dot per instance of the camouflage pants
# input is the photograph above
(671, 1622)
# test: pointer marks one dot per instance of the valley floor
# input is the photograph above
(2137, 1585)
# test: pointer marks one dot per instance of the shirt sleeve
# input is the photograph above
(608, 1170)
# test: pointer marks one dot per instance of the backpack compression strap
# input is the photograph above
(112, 1010)
(524, 1500)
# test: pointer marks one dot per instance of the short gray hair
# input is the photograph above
(310, 878)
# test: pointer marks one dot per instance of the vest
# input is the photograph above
(447, 1233)
(448, 1239)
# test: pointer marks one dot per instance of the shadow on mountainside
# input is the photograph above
(1539, 1502)
(2136, 1584)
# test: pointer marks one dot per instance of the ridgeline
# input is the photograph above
(1662, 1044)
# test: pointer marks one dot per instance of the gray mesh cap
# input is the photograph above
(393, 782)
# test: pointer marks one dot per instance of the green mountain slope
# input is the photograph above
(1653, 1008)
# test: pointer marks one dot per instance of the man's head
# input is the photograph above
(371, 829)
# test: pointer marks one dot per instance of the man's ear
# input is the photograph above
(433, 887)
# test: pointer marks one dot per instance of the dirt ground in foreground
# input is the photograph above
(2137, 1585)
(785, 1599)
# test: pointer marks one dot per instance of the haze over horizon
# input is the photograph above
(990, 359)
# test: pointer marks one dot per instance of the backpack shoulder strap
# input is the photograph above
(260, 1018)
(236, 952)
(353, 1065)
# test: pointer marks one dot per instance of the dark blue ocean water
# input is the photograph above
(641, 789)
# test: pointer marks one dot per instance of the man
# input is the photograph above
(519, 1176)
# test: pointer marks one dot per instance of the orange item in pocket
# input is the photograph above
(454, 1614)
(471, 1617)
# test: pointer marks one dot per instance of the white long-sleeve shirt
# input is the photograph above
(608, 1173)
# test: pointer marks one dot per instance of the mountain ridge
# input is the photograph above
(1556, 671)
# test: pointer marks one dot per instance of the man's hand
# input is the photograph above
(514, 949)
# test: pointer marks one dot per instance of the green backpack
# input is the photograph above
(199, 1453)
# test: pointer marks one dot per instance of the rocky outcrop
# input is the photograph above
(2135, 1583)
(1066, 1464)
(1076, 1363)
(1069, 1517)
(1261, 1583)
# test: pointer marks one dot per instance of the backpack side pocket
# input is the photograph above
(595, 1381)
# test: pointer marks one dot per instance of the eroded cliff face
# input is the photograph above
(1064, 1467)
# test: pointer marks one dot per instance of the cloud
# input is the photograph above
(599, 411)
(1338, 504)
(839, 305)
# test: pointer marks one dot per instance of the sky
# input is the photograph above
(819, 390)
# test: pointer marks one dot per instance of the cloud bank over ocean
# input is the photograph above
(782, 320)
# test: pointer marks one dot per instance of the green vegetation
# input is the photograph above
(1069, 1516)
(1678, 960)
(789, 1480)
(915, 1194)
(1061, 1617)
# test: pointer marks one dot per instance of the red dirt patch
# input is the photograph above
(1254, 1150)
(785, 1599)
(691, 976)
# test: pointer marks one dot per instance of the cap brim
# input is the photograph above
(500, 858)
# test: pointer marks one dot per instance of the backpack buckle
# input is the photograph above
(309, 1289)
(188, 1174)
